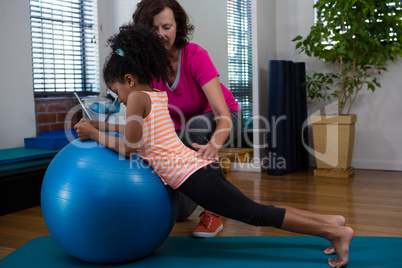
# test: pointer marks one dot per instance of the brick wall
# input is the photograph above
(56, 113)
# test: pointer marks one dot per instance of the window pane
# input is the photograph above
(64, 47)
(240, 54)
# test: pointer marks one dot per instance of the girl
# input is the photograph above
(138, 56)
(205, 114)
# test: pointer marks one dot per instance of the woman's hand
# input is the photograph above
(85, 129)
(213, 92)
(208, 151)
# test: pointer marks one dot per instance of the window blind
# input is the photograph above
(64, 46)
(240, 54)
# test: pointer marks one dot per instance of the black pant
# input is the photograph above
(209, 188)
(200, 128)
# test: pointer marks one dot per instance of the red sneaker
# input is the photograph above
(209, 225)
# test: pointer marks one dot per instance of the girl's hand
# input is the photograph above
(85, 130)
(94, 123)
(208, 151)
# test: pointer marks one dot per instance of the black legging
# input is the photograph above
(199, 129)
(209, 188)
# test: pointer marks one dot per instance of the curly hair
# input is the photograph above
(148, 9)
(137, 51)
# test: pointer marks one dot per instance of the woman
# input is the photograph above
(205, 114)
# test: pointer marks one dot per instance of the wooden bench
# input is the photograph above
(229, 155)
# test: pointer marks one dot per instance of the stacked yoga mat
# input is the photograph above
(287, 111)
(21, 174)
(22, 169)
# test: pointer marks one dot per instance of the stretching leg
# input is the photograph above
(339, 236)
(199, 130)
(209, 188)
(330, 219)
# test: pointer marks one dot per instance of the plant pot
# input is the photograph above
(333, 138)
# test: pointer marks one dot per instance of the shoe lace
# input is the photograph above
(205, 220)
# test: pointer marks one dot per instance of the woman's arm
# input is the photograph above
(213, 92)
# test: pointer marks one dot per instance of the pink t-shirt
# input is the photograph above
(186, 97)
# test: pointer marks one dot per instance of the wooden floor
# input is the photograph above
(371, 201)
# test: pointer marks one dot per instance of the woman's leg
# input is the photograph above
(199, 129)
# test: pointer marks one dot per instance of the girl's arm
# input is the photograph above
(106, 127)
(86, 131)
(213, 92)
(137, 105)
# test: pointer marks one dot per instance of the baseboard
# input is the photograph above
(377, 164)
(246, 167)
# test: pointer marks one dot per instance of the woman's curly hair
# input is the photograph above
(148, 9)
(137, 51)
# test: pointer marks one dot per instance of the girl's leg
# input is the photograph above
(330, 219)
(209, 188)
(199, 130)
(339, 236)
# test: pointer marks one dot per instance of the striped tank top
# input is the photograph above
(161, 147)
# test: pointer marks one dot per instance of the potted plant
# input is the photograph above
(356, 39)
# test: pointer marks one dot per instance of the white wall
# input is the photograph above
(379, 127)
(17, 111)
(111, 15)
(264, 49)
(209, 18)
(378, 142)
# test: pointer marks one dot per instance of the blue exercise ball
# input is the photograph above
(104, 208)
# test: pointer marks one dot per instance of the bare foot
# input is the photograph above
(341, 245)
(336, 220)
(329, 251)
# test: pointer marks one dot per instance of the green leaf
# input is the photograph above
(371, 86)
(297, 38)
(360, 47)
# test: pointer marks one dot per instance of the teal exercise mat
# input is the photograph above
(21, 154)
(24, 165)
(244, 252)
